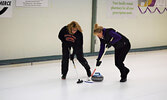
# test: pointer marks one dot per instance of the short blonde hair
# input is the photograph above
(73, 24)
(97, 29)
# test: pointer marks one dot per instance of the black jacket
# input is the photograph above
(71, 40)
(118, 41)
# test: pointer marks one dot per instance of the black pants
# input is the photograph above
(66, 55)
(120, 55)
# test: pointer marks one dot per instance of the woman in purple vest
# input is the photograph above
(109, 37)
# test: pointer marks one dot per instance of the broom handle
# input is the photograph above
(100, 58)
(103, 54)
(105, 50)
(74, 65)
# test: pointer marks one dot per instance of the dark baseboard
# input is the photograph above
(58, 57)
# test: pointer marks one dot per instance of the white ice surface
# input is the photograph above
(147, 80)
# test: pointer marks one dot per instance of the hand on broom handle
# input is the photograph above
(101, 58)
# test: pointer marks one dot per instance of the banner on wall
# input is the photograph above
(152, 6)
(32, 3)
(122, 8)
(152, 3)
(161, 3)
(5, 8)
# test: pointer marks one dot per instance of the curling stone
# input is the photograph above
(97, 77)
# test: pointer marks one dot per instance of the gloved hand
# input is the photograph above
(98, 63)
(108, 45)
(71, 56)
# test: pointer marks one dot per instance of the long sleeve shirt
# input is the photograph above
(72, 40)
(112, 37)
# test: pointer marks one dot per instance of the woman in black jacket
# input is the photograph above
(71, 37)
(109, 37)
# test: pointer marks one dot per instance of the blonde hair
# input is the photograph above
(97, 29)
(73, 24)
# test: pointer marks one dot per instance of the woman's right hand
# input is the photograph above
(98, 62)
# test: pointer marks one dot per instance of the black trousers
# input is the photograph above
(66, 56)
(120, 55)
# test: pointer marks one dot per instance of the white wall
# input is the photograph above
(33, 32)
(144, 30)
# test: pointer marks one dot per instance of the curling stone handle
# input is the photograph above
(97, 73)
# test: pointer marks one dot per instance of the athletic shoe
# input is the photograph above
(124, 75)
(63, 77)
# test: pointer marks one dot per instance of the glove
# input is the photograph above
(71, 56)
(98, 63)
(108, 45)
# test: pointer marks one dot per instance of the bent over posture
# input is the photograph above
(109, 37)
(71, 37)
